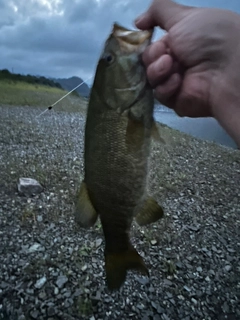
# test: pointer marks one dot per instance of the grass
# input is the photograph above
(18, 93)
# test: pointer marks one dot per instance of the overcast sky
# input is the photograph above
(63, 38)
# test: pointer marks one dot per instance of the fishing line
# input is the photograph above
(52, 105)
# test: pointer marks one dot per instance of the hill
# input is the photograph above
(70, 83)
(6, 75)
(23, 91)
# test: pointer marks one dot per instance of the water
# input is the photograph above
(203, 128)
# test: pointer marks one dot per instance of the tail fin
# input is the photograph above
(117, 264)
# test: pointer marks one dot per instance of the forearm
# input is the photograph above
(226, 94)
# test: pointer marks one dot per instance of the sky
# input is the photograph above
(64, 38)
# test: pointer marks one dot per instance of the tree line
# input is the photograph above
(5, 74)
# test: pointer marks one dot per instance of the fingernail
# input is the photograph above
(159, 65)
(139, 19)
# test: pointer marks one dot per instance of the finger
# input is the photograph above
(154, 51)
(165, 92)
(163, 13)
(192, 108)
(160, 69)
(193, 100)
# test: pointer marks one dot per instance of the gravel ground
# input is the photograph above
(51, 269)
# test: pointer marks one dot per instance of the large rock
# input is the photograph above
(29, 187)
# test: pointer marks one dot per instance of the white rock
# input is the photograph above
(98, 242)
(84, 268)
(56, 290)
(61, 280)
(35, 247)
(40, 283)
(153, 242)
(29, 187)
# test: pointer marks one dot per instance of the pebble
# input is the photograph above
(35, 247)
(194, 301)
(98, 242)
(51, 311)
(154, 242)
(39, 218)
(34, 314)
(61, 280)
(29, 187)
(84, 268)
(42, 295)
(40, 282)
(187, 288)
(228, 268)
(20, 269)
(56, 291)
(167, 282)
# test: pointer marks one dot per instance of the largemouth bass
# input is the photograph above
(117, 144)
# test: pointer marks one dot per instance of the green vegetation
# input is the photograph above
(84, 306)
(16, 77)
(19, 90)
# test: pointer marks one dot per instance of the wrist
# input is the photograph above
(227, 113)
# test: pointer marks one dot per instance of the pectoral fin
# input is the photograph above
(155, 133)
(150, 212)
(134, 134)
(85, 214)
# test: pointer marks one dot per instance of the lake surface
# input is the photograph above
(203, 128)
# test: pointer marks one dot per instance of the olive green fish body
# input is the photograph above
(116, 165)
(117, 142)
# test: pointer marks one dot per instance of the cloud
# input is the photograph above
(62, 38)
(59, 38)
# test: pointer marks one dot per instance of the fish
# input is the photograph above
(118, 132)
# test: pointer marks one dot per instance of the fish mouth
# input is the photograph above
(132, 40)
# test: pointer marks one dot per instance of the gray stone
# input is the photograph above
(98, 243)
(56, 291)
(35, 247)
(153, 242)
(42, 295)
(40, 283)
(39, 218)
(51, 311)
(167, 282)
(29, 187)
(84, 268)
(61, 280)
(34, 314)
(227, 268)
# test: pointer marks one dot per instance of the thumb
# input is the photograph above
(163, 13)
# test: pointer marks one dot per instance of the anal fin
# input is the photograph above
(149, 212)
(85, 214)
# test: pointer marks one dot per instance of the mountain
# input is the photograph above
(70, 83)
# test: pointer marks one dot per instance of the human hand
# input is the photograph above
(194, 67)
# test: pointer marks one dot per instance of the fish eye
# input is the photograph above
(109, 58)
